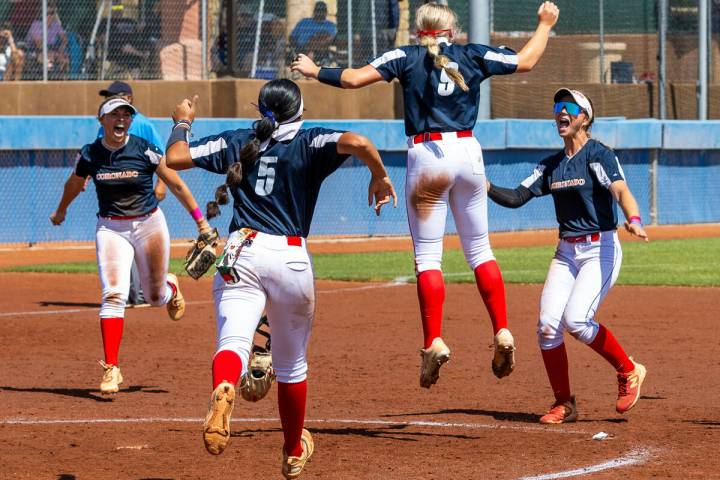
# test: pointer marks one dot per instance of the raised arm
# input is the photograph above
(622, 194)
(73, 186)
(381, 187)
(337, 77)
(177, 152)
(530, 54)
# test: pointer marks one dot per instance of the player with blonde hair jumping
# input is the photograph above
(441, 88)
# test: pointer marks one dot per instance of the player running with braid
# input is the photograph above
(585, 180)
(129, 226)
(441, 83)
(273, 172)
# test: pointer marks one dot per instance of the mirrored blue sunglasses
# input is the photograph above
(571, 108)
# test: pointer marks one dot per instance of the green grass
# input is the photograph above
(691, 262)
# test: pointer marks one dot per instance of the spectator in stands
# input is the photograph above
(12, 59)
(129, 49)
(58, 60)
(387, 19)
(271, 58)
(22, 14)
(314, 36)
(143, 128)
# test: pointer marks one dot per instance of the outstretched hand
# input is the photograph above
(548, 14)
(636, 230)
(382, 191)
(57, 217)
(185, 110)
(304, 65)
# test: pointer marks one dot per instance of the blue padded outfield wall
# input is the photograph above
(37, 154)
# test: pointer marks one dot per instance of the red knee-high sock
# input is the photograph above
(492, 289)
(226, 367)
(111, 329)
(431, 293)
(556, 366)
(607, 345)
(291, 403)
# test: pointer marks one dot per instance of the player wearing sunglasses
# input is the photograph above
(585, 180)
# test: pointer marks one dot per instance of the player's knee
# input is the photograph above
(113, 304)
(294, 374)
(238, 345)
(477, 258)
(548, 333)
(423, 265)
(582, 328)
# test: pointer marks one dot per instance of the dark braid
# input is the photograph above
(278, 101)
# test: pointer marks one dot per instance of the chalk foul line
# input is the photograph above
(633, 457)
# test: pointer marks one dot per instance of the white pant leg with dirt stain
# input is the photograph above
(117, 242)
(441, 173)
(579, 278)
(277, 278)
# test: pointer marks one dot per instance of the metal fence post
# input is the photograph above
(602, 41)
(203, 38)
(480, 26)
(702, 85)
(654, 161)
(373, 28)
(662, 46)
(45, 40)
(349, 34)
(258, 32)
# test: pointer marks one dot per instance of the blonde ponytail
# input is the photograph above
(430, 19)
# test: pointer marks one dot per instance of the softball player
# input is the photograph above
(584, 179)
(441, 85)
(130, 225)
(274, 173)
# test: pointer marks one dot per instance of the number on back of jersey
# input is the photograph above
(446, 86)
(266, 176)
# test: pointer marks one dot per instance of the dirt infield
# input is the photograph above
(16, 254)
(369, 418)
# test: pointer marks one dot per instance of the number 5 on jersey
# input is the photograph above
(265, 176)
(447, 86)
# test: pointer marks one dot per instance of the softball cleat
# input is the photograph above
(176, 305)
(111, 380)
(216, 430)
(503, 361)
(433, 358)
(292, 467)
(561, 412)
(629, 387)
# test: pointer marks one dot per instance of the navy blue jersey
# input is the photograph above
(123, 178)
(580, 188)
(279, 191)
(433, 103)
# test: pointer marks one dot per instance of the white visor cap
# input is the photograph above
(115, 103)
(579, 98)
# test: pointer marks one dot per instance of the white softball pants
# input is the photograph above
(580, 276)
(276, 278)
(146, 239)
(441, 173)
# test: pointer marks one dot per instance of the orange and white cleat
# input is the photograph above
(433, 358)
(561, 412)
(629, 387)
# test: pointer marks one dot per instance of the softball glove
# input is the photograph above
(256, 383)
(201, 255)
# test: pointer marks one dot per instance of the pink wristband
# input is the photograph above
(635, 219)
(197, 214)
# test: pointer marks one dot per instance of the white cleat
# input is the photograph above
(503, 361)
(433, 358)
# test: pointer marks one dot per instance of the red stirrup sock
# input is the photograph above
(556, 365)
(291, 403)
(226, 367)
(431, 293)
(607, 345)
(111, 329)
(492, 289)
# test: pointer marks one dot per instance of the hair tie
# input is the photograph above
(430, 33)
(266, 112)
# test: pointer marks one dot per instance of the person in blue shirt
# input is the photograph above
(130, 226)
(314, 35)
(586, 181)
(273, 172)
(143, 128)
(441, 87)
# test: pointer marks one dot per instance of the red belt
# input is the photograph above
(131, 217)
(428, 136)
(590, 237)
(294, 241)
